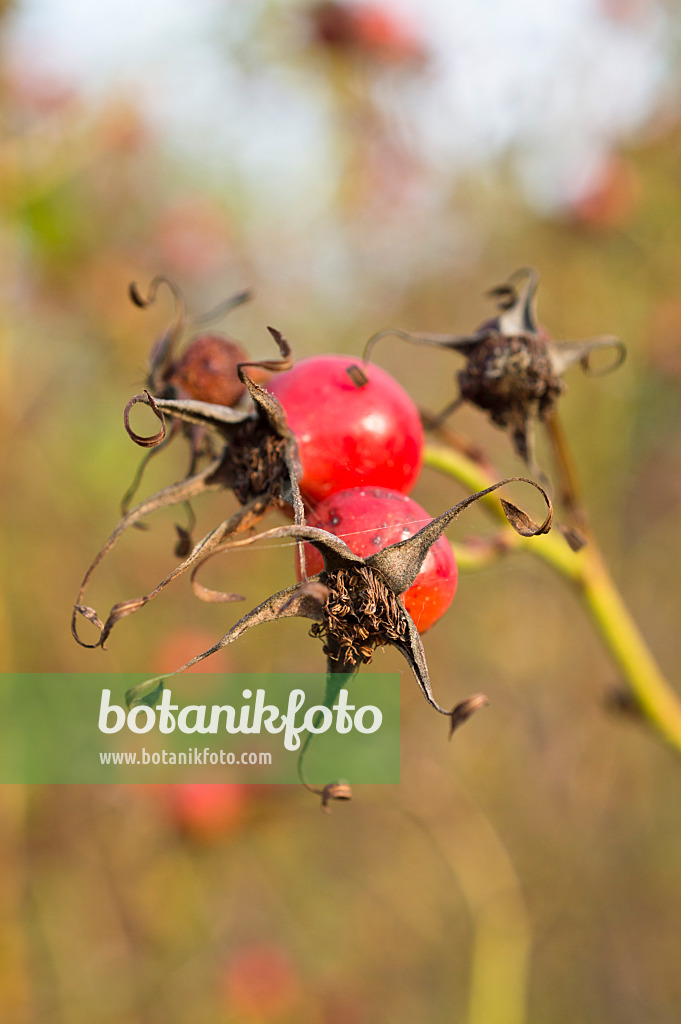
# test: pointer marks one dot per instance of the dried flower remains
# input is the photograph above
(513, 369)
(355, 603)
(249, 450)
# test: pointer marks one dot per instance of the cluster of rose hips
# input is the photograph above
(336, 443)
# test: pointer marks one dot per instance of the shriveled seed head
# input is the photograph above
(360, 614)
(504, 373)
(513, 369)
(513, 378)
(253, 463)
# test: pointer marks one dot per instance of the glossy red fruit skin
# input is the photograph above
(370, 518)
(350, 436)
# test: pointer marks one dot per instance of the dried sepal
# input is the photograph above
(293, 601)
(177, 493)
(521, 522)
(513, 369)
(355, 603)
(164, 348)
(285, 362)
(272, 409)
(243, 519)
(145, 301)
(399, 563)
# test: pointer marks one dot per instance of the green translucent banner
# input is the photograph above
(246, 728)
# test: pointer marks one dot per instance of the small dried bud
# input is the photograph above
(574, 536)
(335, 791)
(463, 711)
(623, 701)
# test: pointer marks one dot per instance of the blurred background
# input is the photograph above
(358, 165)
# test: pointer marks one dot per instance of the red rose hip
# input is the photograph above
(357, 428)
(369, 519)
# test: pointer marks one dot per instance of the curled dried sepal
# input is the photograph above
(285, 362)
(188, 410)
(288, 603)
(144, 301)
(568, 353)
(513, 369)
(355, 602)
(164, 347)
(399, 563)
(151, 440)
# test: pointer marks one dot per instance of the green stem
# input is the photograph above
(653, 697)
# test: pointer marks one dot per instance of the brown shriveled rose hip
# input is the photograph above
(207, 371)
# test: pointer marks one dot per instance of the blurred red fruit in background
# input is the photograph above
(371, 29)
(611, 199)
(194, 237)
(261, 984)
(205, 811)
(182, 646)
